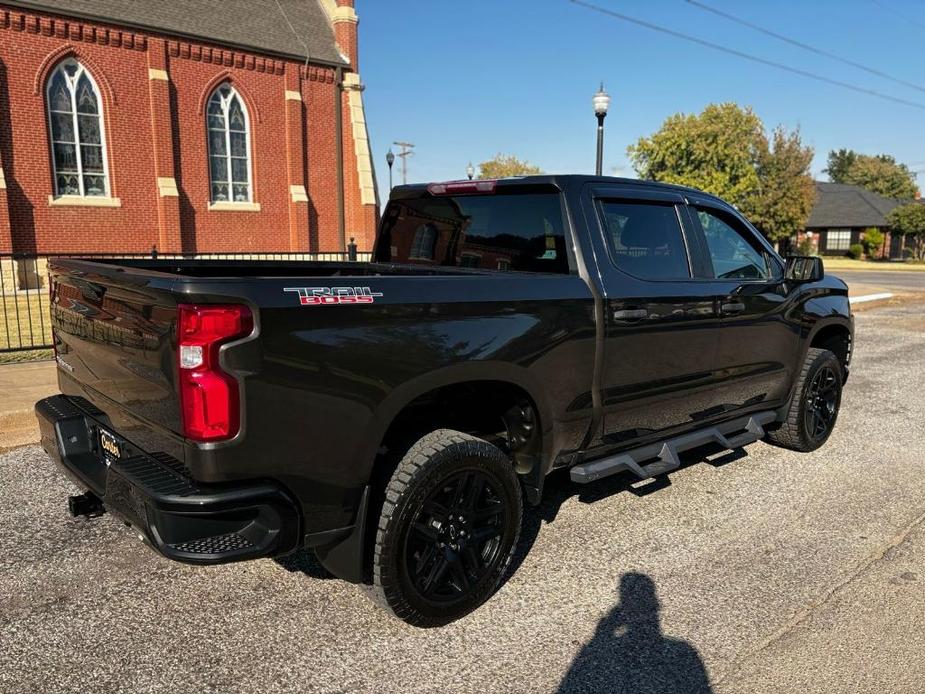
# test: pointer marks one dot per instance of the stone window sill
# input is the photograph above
(234, 207)
(83, 201)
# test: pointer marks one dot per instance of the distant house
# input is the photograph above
(843, 212)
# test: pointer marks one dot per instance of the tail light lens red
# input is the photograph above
(209, 399)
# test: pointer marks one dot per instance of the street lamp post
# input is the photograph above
(601, 104)
(390, 159)
(470, 171)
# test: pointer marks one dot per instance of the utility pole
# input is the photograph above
(406, 151)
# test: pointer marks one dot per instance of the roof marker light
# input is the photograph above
(462, 187)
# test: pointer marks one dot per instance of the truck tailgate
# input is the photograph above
(114, 338)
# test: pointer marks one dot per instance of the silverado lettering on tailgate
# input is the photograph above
(330, 296)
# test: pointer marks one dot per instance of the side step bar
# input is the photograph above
(659, 458)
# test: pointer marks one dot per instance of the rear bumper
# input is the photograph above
(178, 517)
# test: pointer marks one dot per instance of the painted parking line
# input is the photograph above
(870, 297)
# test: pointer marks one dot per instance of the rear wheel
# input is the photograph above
(814, 408)
(448, 528)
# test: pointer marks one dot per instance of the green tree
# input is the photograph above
(503, 165)
(880, 173)
(786, 191)
(724, 151)
(910, 220)
(839, 162)
(715, 151)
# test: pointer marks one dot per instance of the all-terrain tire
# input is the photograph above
(795, 431)
(416, 526)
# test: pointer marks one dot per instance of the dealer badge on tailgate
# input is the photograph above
(109, 444)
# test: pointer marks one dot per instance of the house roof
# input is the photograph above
(841, 205)
(258, 25)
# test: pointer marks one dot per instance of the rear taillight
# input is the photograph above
(209, 399)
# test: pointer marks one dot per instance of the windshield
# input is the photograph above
(516, 232)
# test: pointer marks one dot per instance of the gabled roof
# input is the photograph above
(258, 25)
(841, 205)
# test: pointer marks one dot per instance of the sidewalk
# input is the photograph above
(20, 386)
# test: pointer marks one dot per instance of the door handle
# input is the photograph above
(732, 307)
(631, 314)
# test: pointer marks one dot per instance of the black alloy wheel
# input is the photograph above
(813, 409)
(455, 538)
(821, 402)
(449, 525)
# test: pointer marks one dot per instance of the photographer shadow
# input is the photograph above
(629, 653)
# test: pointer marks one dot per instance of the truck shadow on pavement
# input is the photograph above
(629, 652)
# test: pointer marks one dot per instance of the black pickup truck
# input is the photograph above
(393, 415)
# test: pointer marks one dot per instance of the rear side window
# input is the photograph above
(645, 240)
(516, 232)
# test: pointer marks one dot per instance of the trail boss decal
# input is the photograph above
(330, 296)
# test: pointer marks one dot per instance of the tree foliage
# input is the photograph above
(786, 191)
(910, 220)
(503, 165)
(724, 151)
(879, 173)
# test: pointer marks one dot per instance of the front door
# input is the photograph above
(757, 346)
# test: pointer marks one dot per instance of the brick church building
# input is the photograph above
(190, 125)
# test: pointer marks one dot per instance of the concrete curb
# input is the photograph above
(18, 428)
(870, 297)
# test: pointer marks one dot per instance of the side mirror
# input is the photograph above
(804, 268)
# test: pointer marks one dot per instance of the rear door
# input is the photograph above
(660, 337)
(757, 346)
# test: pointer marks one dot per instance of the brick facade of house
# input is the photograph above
(154, 88)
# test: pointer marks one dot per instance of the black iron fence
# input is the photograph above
(24, 314)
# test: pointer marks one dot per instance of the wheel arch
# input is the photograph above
(507, 381)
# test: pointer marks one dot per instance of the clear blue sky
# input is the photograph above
(465, 79)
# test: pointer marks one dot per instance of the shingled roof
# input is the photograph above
(840, 205)
(258, 25)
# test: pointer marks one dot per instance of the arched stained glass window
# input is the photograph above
(75, 117)
(229, 146)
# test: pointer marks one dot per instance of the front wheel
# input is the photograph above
(448, 529)
(815, 403)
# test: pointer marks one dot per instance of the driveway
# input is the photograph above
(763, 571)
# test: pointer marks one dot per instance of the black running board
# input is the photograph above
(663, 457)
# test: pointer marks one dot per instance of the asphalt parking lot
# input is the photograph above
(767, 571)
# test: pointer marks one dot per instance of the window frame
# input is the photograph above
(234, 93)
(646, 198)
(739, 224)
(82, 71)
(838, 230)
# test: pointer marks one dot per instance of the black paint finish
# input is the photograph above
(608, 360)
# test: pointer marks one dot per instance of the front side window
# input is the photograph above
(229, 146)
(838, 240)
(75, 117)
(732, 255)
(645, 240)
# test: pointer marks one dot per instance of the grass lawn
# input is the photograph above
(877, 265)
(32, 327)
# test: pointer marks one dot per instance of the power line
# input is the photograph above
(748, 56)
(805, 46)
(898, 13)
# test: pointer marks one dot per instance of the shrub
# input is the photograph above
(872, 242)
(855, 251)
(806, 246)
